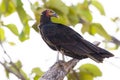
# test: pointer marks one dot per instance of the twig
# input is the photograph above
(17, 72)
(115, 40)
(5, 51)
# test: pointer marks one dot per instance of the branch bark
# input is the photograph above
(60, 69)
(115, 40)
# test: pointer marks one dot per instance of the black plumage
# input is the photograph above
(64, 39)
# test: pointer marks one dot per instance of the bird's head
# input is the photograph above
(49, 13)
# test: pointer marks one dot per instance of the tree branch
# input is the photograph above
(14, 70)
(115, 40)
(61, 68)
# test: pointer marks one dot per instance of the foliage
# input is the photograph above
(7, 8)
(2, 34)
(16, 69)
(86, 72)
(69, 15)
(98, 6)
(13, 29)
(38, 73)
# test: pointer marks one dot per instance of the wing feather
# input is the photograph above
(63, 37)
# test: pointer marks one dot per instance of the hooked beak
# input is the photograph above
(54, 15)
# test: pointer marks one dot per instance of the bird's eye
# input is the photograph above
(51, 11)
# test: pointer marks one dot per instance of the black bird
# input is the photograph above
(62, 38)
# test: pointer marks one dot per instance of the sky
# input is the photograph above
(35, 53)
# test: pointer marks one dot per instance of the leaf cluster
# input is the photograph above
(85, 72)
(8, 7)
(69, 15)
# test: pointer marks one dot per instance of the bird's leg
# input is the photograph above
(63, 57)
(57, 56)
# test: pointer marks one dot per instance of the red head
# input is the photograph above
(49, 13)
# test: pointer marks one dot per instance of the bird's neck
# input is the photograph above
(45, 20)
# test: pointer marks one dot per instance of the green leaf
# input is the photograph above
(7, 73)
(85, 76)
(13, 29)
(7, 7)
(24, 74)
(2, 34)
(91, 69)
(38, 73)
(84, 12)
(72, 15)
(36, 10)
(36, 77)
(18, 64)
(15, 66)
(24, 17)
(98, 5)
(113, 47)
(25, 33)
(117, 29)
(85, 28)
(97, 28)
(13, 69)
(22, 37)
(35, 26)
(61, 19)
(115, 19)
(72, 76)
(11, 43)
(58, 6)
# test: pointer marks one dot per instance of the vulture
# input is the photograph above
(64, 39)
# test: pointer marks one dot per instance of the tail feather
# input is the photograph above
(99, 57)
(97, 53)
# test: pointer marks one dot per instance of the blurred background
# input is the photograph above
(25, 56)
